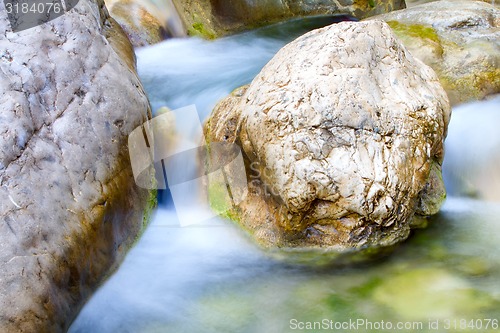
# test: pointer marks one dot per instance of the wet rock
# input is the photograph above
(458, 39)
(69, 208)
(343, 134)
(139, 22)
(214, 18)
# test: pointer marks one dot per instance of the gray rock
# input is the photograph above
(460, 40)
(69, 208)
(214, 18)
(343, 134)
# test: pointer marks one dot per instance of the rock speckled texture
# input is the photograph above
(69, 208)
(460, 40)
(343, 134)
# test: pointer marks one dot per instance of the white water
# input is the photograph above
(181, 72)
(472, 162)
(211, 278)
(168, 277)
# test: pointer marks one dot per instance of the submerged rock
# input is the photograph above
(417, 293)
(342, 132)
(214, 18)
(69, 207)
(460, 40)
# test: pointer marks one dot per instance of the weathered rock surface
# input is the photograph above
(214, 18)
(343, 134)
(460, 40)
(69, 207)
(147, 22)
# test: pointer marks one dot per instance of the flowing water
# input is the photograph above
(212, 278)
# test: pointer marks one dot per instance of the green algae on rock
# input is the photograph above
(458, 39)
(415, 294)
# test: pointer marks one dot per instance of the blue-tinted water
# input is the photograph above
(212, 278)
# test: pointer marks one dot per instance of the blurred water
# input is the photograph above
(212, 278)
(472, 162)
(181, 72)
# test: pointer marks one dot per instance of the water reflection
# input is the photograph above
(181, 72)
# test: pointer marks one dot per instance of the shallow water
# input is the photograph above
(211, 278)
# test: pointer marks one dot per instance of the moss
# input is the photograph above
(198, 29)
(368, 288)
(413, 294)
(340, 307)
(371, 3)
(414, 30)
(472, 86)
(217, 196)
(219, 199)
(151, 205)
(218, 193)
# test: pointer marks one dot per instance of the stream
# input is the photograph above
(212, 278)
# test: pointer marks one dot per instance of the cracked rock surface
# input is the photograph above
(69, 207)
(342, 132)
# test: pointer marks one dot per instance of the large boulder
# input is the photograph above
(460, 40)
(69, 207)
(214, 18)
(342, 132)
